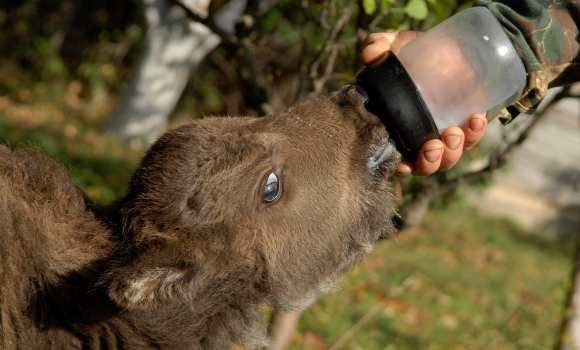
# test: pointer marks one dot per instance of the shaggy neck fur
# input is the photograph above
(61, 272)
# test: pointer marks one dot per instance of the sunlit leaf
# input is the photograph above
(417, 9)
(370, 6)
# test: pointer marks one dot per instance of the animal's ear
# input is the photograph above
(146, 289)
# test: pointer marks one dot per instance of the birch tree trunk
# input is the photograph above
(174, 47)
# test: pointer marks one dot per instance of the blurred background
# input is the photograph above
(485, 255)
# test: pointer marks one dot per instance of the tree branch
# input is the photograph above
(227, 38)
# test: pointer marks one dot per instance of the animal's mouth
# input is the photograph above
(384, 154)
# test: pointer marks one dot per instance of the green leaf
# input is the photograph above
(417, 9)
(387, 3)
(370, 6)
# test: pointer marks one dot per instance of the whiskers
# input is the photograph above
(315, 127)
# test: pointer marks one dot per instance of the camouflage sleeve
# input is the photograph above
(545, 33)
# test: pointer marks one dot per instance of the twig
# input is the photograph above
(329, 50)
(370, 314)
(209, 22)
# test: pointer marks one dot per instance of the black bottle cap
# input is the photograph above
(394, 98)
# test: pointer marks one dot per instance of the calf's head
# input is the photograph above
(271, 208)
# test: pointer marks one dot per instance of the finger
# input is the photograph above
(402, 38)
(406, 168)
(376, 45)
(379, 37)
(453, 139)
(428, 159)
(474, 130)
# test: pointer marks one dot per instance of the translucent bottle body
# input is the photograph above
(465, 65)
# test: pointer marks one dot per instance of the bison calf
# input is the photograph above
(222, 215)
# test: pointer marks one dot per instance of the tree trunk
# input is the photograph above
(173, 49)
(282, 328)
(569, 338)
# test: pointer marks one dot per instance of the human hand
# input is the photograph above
(434, 155)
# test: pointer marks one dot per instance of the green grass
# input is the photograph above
(42, 118)
(459, 282)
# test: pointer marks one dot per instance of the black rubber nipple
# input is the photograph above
(394, 98)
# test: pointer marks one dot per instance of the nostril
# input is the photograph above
(363, 93)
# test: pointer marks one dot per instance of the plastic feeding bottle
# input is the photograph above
(464, 65)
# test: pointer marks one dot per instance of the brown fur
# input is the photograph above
(186, 257)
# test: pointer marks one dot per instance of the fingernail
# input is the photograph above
(452, 141)
(475, 124)
(432, 155)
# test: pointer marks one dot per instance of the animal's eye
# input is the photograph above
(272, 188)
